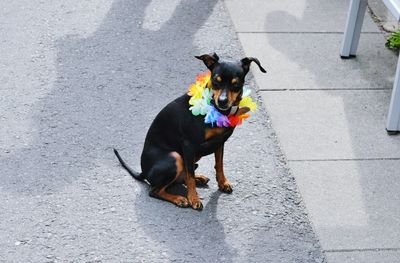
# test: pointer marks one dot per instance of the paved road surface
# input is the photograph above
(82, 77)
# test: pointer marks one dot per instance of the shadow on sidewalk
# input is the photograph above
(378, 72)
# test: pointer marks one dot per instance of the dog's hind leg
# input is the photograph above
(171, 169)
(161, 193)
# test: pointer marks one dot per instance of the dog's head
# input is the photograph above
(227, 79)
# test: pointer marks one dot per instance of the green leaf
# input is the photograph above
(393, 42)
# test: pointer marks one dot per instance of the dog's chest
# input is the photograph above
(215, 133)
(214, 138)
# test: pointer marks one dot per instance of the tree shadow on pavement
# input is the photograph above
(110, 86)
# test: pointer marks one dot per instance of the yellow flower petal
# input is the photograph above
(248, 102)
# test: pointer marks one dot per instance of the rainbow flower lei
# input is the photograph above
(200, 102)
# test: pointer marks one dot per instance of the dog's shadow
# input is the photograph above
(186, 234)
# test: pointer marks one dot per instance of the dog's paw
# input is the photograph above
(201, 180)
(196, 204)
(181, 202)
(225, 187)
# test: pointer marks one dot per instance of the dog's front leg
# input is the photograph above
(190, 181)
(223, 183)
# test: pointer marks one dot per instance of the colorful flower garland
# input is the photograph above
(200, 102)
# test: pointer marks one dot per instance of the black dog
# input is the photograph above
(177, 139)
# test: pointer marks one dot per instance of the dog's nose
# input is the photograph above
(222, 101)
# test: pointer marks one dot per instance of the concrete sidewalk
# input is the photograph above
(329, 115)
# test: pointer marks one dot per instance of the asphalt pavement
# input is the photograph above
(80, 78)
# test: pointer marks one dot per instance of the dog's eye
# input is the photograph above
(236, 84)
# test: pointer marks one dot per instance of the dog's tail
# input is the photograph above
(136, 175)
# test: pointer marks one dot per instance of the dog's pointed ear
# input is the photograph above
(209, 60)
(246, 64)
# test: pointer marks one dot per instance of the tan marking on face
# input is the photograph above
(217, 93)
(219, 79)
(232, 97)
(234, 80)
